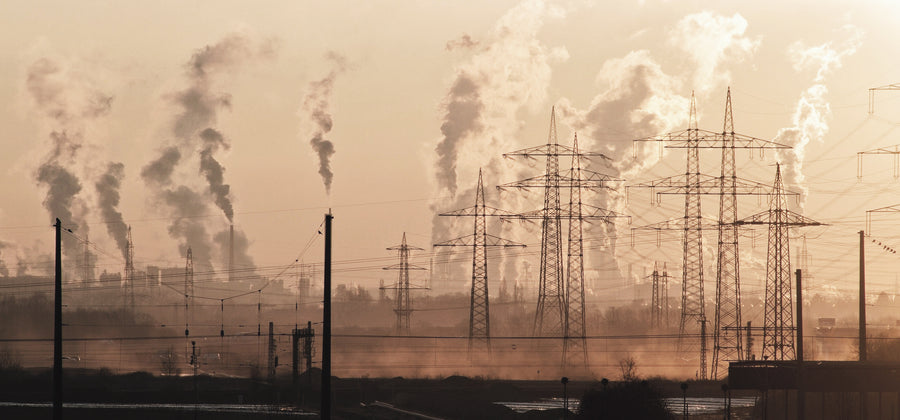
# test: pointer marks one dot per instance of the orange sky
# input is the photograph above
(634, 64)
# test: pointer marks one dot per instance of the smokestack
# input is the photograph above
(231, 253)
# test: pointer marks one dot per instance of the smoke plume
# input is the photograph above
(187, 204)
(159, 171)
(639, 99)
(242, 259)
(509, 70)
(214, 172)
(4, 270)
(69, 102)
(812, 112)
(461, 119)
(316, 106)
(464, 42)
(108, 201)
(193, 129)
(711, 40)
(506, 72)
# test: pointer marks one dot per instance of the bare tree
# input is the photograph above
(628, 366)
(169, 362)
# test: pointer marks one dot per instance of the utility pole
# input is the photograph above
(480, 240)
(801, 395)
(402, 305)
(551, 312)
(655, 308)
(272, 357)
(302, 337)
(188, 292)
(862, 297)
(87, 271)
(560, 307)
(325, 406)
(895, 86)
(659, 296)
(693, 184)
(749, 346)
(57, 328)
(129, 270)
(778, 329)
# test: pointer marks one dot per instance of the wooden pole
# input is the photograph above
(325, 409)
(57, 328)
(801, 394)
(862, 296)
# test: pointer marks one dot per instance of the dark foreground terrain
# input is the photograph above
(90, 394)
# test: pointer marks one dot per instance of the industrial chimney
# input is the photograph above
(231, 253)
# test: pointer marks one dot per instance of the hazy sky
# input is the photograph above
(415, 96)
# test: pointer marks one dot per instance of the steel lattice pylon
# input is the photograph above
(693, 308)
(403, 307)
(727, 186)
(551, 319)
(778, 329)
(659, 296)
(188, 297)
(479, 307)
(727, 342)
(129, 270)
(560, 306)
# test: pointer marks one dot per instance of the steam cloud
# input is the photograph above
(193, 129)
(316, 107)
(69, 103)
(711, 40)
(214, 172)
(508, 71)
(108, 201)
(638, 99)
(242, 259)
(810, 118)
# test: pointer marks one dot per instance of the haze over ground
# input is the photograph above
(414, 97)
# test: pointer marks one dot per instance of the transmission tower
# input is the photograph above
(87, 271)
(890, 150)
(552, 305)
(403, 307)
(659, 296)
(571, 293)
(129, 269)
(726, 332)
(480, 240)
(778, 330)
(188, 289)
(895, 86)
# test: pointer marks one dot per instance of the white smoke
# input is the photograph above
(639, 99)
(712, 40)
(68, 99)
(812, 112)
(508, 71)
